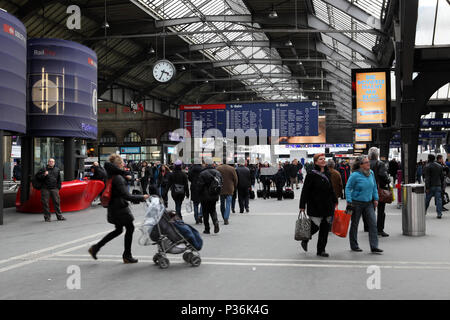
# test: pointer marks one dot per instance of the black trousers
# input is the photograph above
(266, 190)
(119, 229)
(280, 192)
(45, 198)
(209, 210)
(144, 185)
(323, 229)
(243, 198)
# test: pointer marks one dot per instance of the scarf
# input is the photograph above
(364, 172)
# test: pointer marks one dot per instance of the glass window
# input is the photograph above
(442, 34)
(46, 148)
(132, 136)
(108, 138)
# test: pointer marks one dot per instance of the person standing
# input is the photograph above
(144, 176)
(419, 171)
(446, 170)
(320, 201)
(178, 184)
(266, 180)
(17, 171)
(344, 170)
(51, 184)
(280, 180)
(193, 174)
(336, 180)
(243, 187)
(434, 178)
(382, 178)
(362, 195)
(230, 183)
(119, 213)
(393, 168)
(210, 186)
(163, 186)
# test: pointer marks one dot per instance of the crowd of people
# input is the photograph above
(204, 185)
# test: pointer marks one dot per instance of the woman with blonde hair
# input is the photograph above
(119, 213)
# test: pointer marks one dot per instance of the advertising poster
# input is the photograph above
(371, 97)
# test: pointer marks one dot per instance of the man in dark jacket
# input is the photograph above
(51, 184)
(280, 180)
(98, 172)
(208, 178)
(382, 178)
(393, 168)
(434, 178)
(244, 183)
(446, 170)
(178, 184)
(193, 174)
(17, 171)
(293, 169)
(230, 182)
(119, 213)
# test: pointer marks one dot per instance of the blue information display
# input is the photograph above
(130, 150)
(291, 118)
(435, 122)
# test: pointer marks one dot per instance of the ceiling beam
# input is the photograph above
(355, 12)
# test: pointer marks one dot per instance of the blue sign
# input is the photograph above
(435, 122)
(130, 150)
(292, 119)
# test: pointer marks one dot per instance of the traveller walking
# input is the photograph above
(50, 178)
(362, 196)
(210, 186)
(344, 170)
(293, 173)
(266, 180)
(393, 168)
(243, 187)
(193, 174)
(320, 201)
(230, 183)
(144, 176)
(434, 178)
(419, 171)
(119, 213)
(178, 184)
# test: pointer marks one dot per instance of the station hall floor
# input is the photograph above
(254, 257)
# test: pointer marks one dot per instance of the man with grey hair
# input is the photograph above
(51, 184)
(382, 179)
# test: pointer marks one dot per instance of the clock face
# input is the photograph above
(163, 71)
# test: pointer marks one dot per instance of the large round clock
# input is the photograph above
(163, 70)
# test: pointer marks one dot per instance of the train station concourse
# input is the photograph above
(234, 157)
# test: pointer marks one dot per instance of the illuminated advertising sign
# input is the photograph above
(371, 96)
(360, 146)
(363, 135)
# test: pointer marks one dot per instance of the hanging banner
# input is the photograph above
(371, 95)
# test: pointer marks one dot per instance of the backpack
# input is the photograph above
(215, 187)
(178, 190)
(106, 195)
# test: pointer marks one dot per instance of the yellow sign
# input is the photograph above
(360, 146)
(363, 135)
(371, 97)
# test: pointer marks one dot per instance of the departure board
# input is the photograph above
(291, 118)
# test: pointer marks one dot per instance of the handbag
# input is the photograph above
(302, 227)
(385, 196)
(341, 222)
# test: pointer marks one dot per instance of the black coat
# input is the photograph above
(194, 173)
(204, 180)
(244, 177)
(118, 210)
(99, 173)
(52, 180)
(318, 195)
(381, 174)
(280, 178)
(178, 177)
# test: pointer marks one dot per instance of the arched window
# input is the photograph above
(131, 137)
(108, 137)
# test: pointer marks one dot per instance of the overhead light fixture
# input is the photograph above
(299, 63)
(206, 81)
(273, 14)
(151, 50)
(183, 67)
(105, 24)
(288, 43)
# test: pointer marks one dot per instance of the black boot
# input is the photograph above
(47, 218)
(60, 217)
(129, 259)
(93, 251)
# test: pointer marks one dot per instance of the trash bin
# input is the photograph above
(413, 210)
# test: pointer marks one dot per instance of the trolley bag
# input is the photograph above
(302, 227)
(252, 194)
(445, 199)
(288, 193)
(273, 193)
(341, 222)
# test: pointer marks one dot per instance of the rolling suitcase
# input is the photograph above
(273, 193)
(288, 193)
(252, 194)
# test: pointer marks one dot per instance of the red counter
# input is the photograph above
(74, 196)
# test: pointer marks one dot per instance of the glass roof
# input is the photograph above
(433, 23)
(190, 8)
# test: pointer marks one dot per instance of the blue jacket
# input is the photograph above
(361, 188)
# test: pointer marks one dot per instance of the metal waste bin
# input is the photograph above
(413, 211)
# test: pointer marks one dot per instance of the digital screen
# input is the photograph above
(360, 146)
(170, 150)
(363, 135)
(320, 138)
(371, 95)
